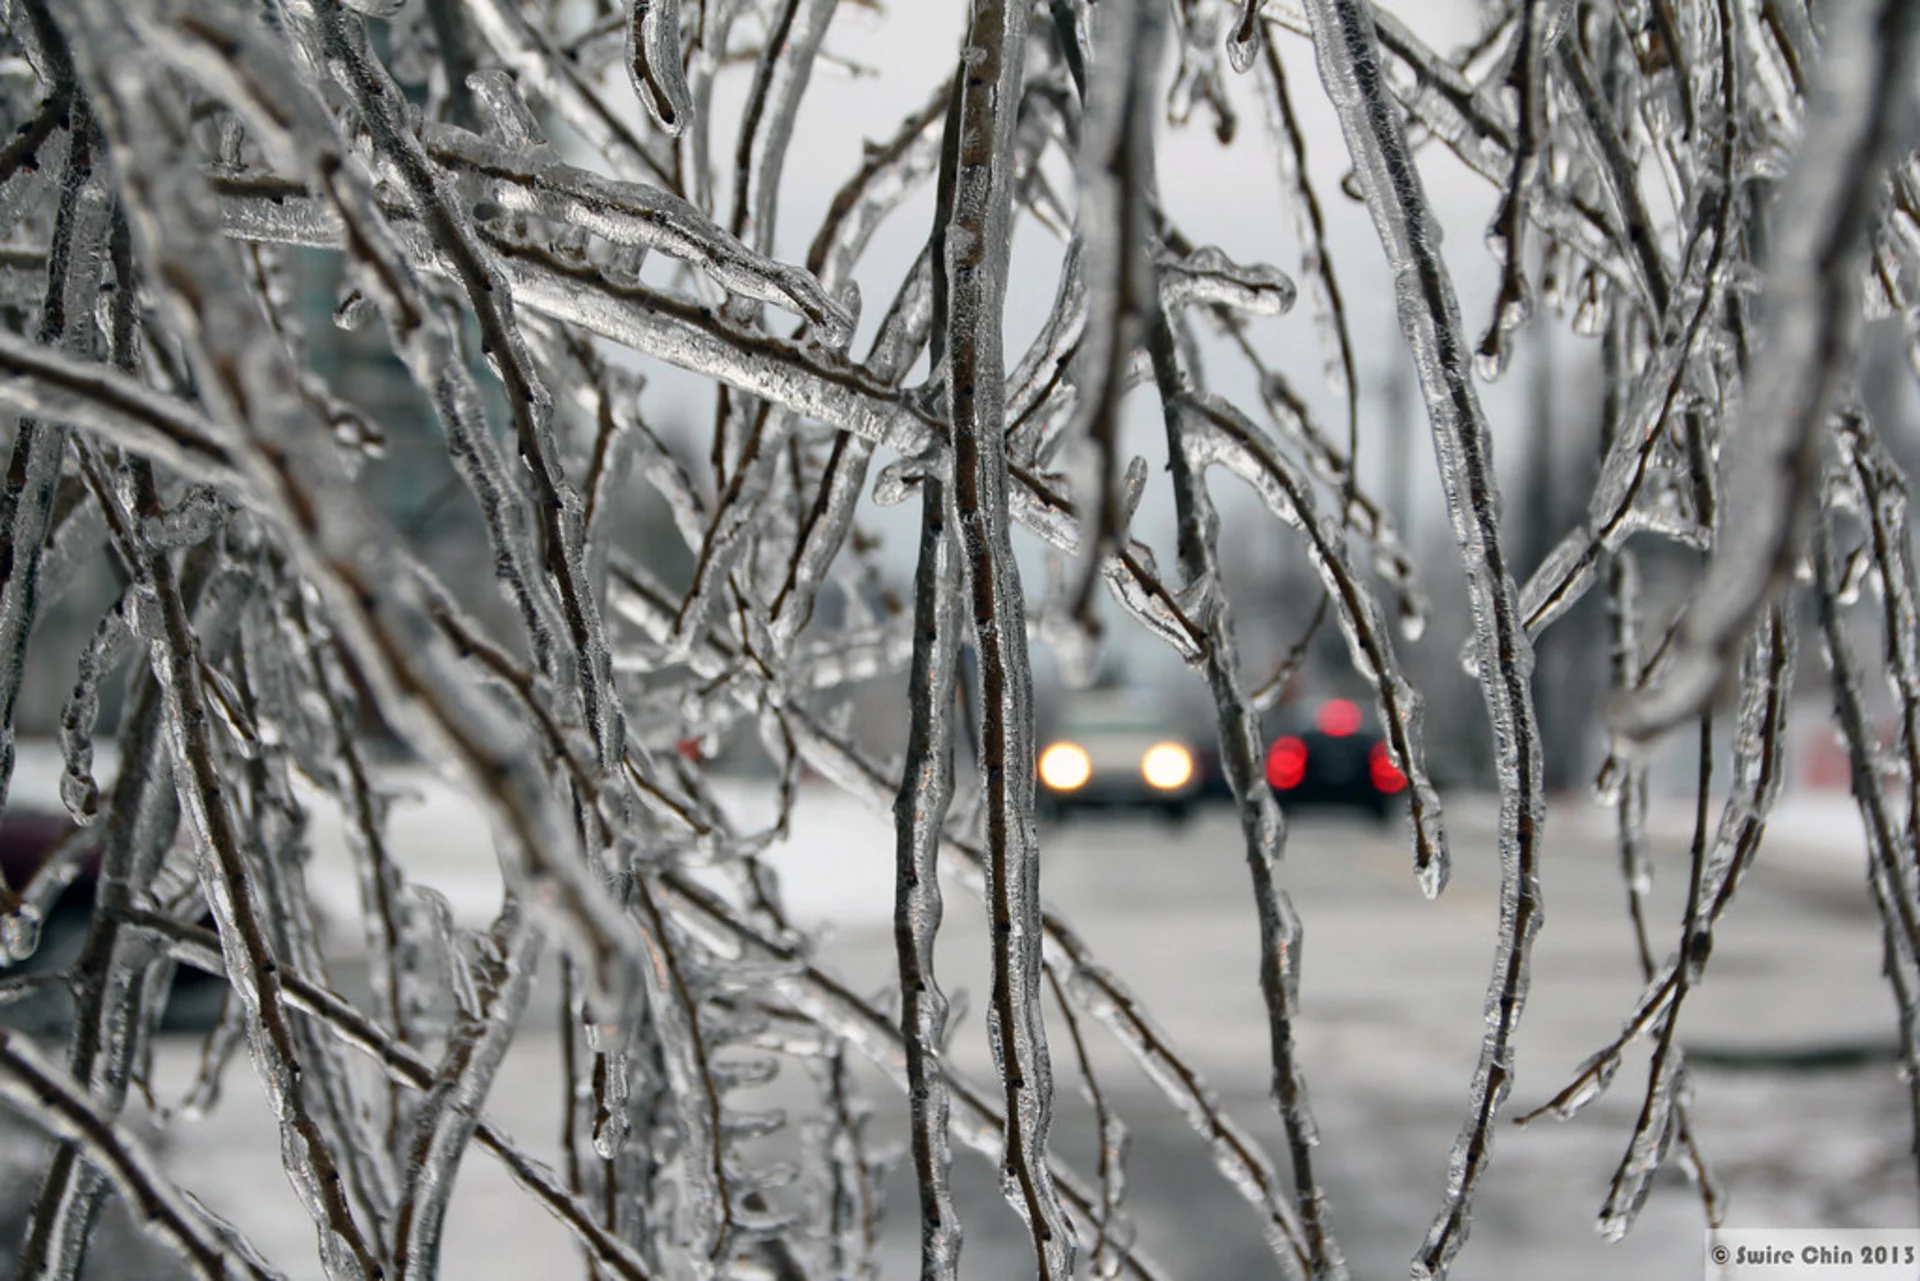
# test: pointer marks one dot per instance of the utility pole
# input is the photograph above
(1537, 533)
(1399, 420)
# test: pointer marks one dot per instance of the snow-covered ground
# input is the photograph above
(836, 863)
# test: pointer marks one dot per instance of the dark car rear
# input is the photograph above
(29, 838)
(1335, 758)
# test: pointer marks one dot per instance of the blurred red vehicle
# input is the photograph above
(1330, 753)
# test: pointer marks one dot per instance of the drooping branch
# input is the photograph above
(1349, 57)
(969, 292)
(1856, 121)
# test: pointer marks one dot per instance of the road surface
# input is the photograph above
(1389, 1033)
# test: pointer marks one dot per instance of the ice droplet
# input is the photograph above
(1243, 42)
(19, 935)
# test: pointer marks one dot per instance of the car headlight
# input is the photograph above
(1065, 767)
(1166, 766)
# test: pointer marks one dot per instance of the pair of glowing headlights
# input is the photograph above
(1165, 767)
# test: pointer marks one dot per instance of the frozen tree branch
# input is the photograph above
(264, 554)
(47, 1096)
(1261, 824)
(1348, 50)
(1858, 117)
(969, 291)
(920, 815)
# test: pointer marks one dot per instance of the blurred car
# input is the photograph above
(1335, 757)
(28, 839)
(1110, 749)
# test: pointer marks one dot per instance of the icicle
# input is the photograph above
(19, 935)
(1244, 42)
(1197, 79)
(653, 62)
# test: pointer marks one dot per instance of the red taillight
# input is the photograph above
(1286, 762)
(1339, 718)
(1385, 774)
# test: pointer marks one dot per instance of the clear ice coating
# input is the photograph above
(1348, 50)
(483, 388)
(1857, 119)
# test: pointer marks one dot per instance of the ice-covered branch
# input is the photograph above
(1218, 435)
(1859, 114)
(1349, 56)
(45, 1095)
(1262, 827)
(337, 539)
(265, 562)
(969, 291)
(26, 501)
(1889, 873)
(920, 816)
(1759, 772)
(200, 948)
(1099, 991)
